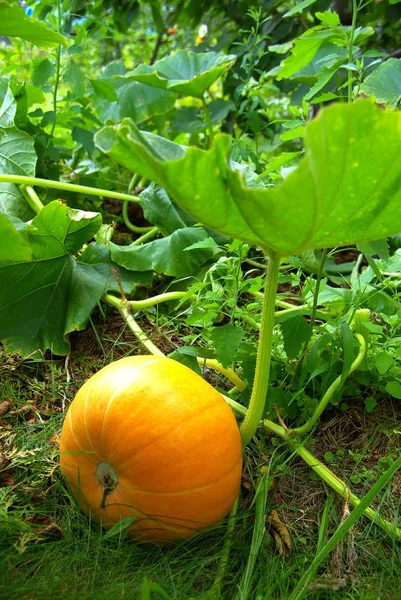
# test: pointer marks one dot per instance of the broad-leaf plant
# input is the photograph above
(57, 263)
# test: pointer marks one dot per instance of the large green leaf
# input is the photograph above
(384, 84)
(166, 255)
(91, 278)
(159, 210)
(8, 109)
(13, 245)
(17, 157)
(117, 98)
(141, 102)
(184, 72)
(15, 23)
(42, 300)
(347, 188)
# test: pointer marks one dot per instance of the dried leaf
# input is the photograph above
(46, 527)
(4, 407)
(6, 478)
(279, 533)
(55, 438)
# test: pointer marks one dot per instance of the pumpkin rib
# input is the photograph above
(84, 414)
(69, 416)
(109, 403)
(182, 492)
(193, 416)
(141, 367)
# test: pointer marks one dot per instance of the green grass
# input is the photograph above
(75, 561)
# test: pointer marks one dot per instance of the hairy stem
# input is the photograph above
(32, 198)
(331, 479)
(67, 187)
(124, 308)
(261, 382)
(55, 91)
(129, 225)
(151, 233)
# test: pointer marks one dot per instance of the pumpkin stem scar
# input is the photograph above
(108, 479)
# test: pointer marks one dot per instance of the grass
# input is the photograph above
(48, 549)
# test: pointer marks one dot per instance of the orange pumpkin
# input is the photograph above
(147, 437)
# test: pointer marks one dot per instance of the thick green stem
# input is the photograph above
(332, 480)
(281, 315)
(66, 187)
(231, 375)
(129, 225)
(343, 490)
(146, 236)
(208, 120)
(124, 307)
(32, 198)
(238, 409)
(149, 302)
(361, 507)
(261, 383)
(124, 310)
(333, 388)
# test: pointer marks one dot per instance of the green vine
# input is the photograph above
(261, 382)
(66, 187)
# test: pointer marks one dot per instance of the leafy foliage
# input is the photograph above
(53, 294)
(335, 197)
(14, 22)
(184, 72)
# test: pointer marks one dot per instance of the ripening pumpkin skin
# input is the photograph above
(161, 440)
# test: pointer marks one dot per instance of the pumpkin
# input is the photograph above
(146, 437)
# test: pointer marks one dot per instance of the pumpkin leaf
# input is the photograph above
(8, 109)
(384, 84)
(44, 298)
(91, 278)
(184, 72)
(13, 245)
(164, 255)
(159, 210)
(115, 98)
(140, 102)
(346, 189)
(17, 157)
(15, 23)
